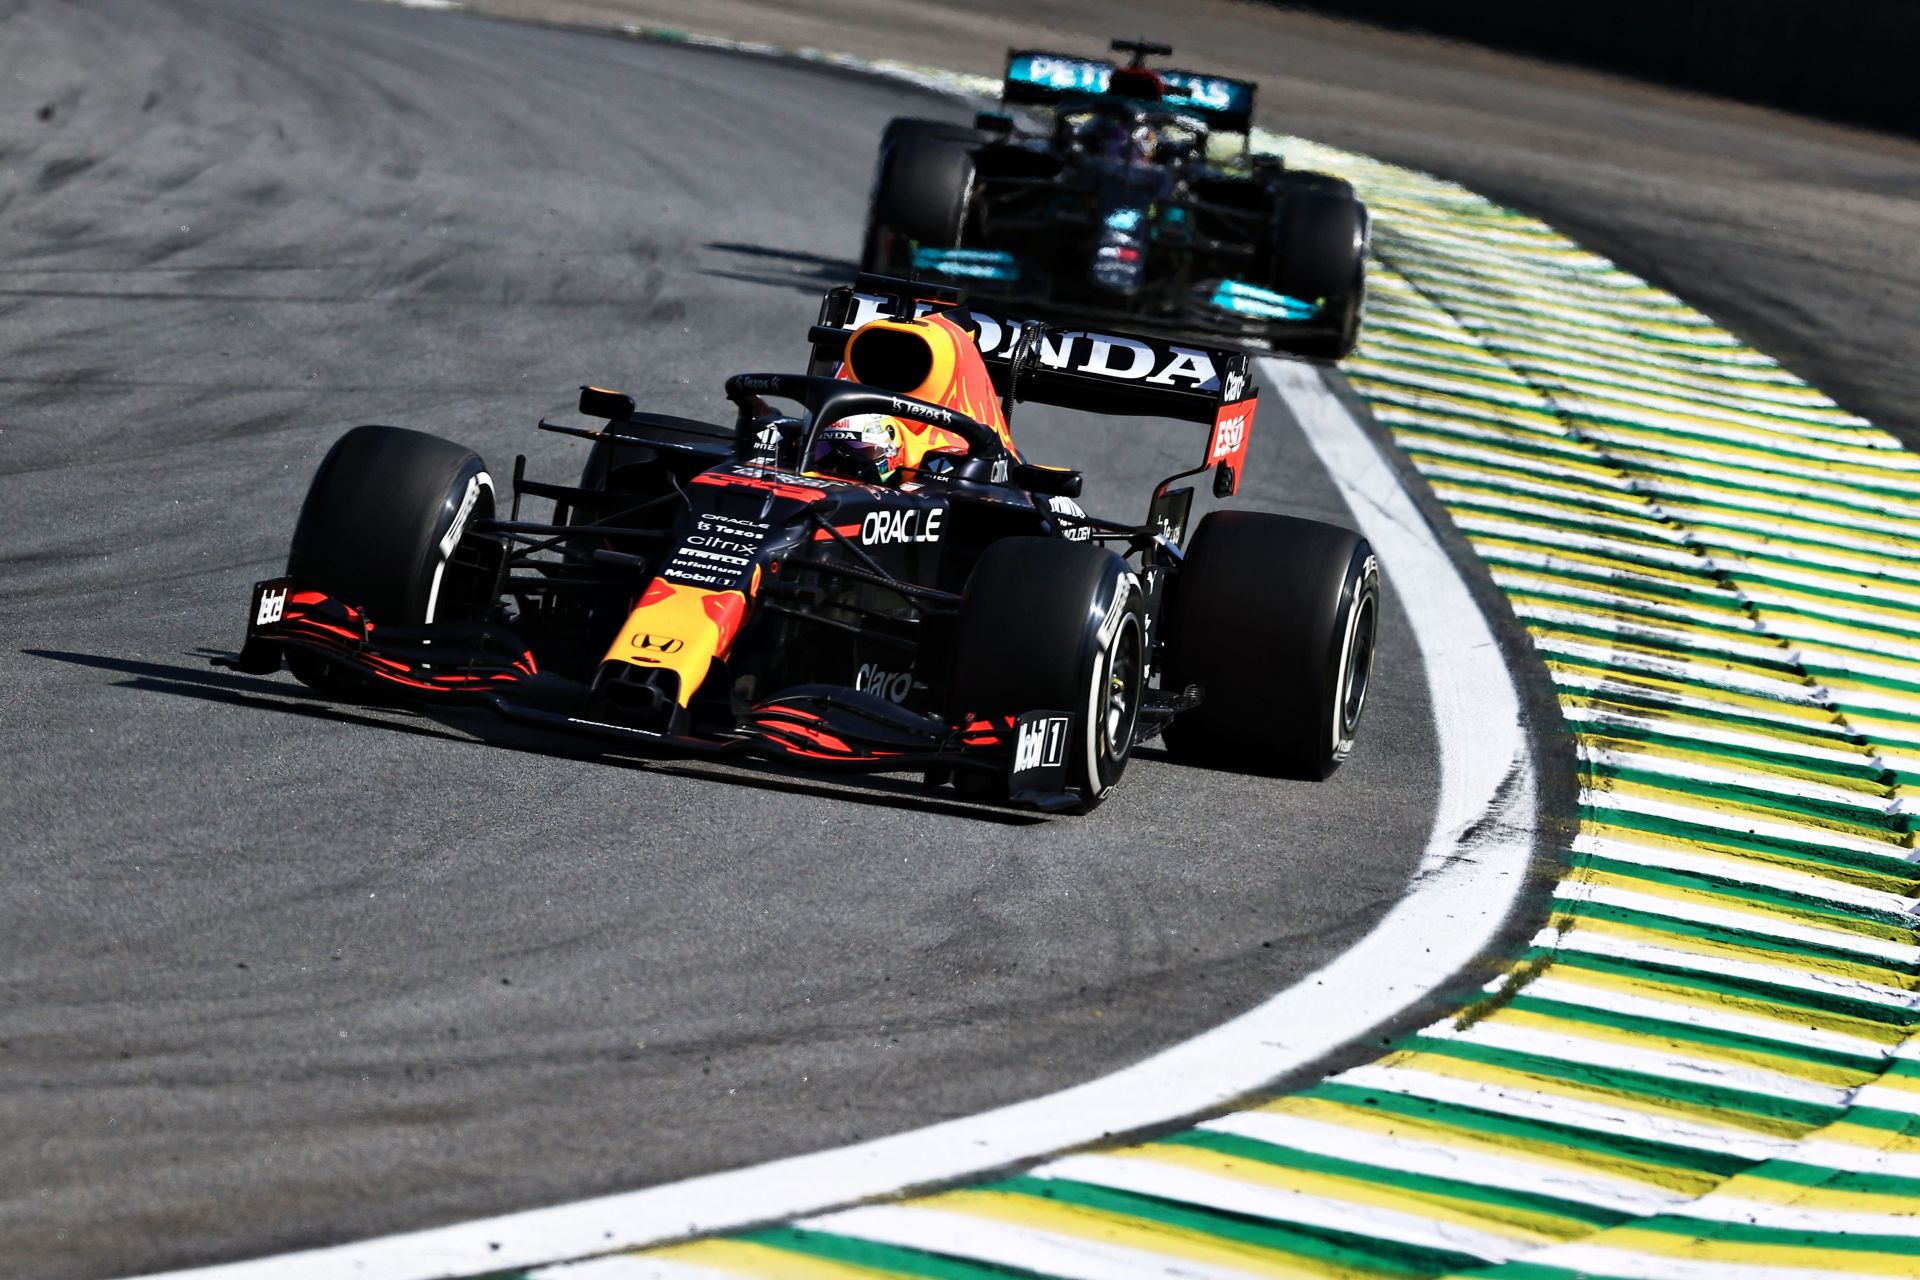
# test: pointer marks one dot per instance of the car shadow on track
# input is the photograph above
(809, 273)
(478, 728)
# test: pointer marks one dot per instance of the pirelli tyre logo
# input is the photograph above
(451, 538)
(1042, 744)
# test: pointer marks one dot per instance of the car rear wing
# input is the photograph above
(1095, 370)
(1036, 77)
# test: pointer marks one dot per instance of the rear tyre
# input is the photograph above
(1048, 624)
(382, 519)
(1276, 618)
(921, 191)
(1321, 253)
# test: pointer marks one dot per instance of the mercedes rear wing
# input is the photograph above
(1037, 77)
(1095, 370)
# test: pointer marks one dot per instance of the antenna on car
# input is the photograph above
(1020, 358)
(1141, 50)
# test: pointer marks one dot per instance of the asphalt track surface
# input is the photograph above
(281, 972)
(447, 226)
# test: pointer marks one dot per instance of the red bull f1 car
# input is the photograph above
(861, 572)
(1110, 199)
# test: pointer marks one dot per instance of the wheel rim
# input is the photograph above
(1122, 693)
(1359, 672)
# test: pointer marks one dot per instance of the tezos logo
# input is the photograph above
(887, 528)
(921, 412)
(891, 685)
(1042, 745)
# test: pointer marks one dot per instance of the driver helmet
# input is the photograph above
(1146, 141)
(866, 447)
(1105, 138)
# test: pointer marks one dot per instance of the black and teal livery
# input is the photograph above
(1124, 194)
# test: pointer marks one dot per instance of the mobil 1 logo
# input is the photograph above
(1040, 741)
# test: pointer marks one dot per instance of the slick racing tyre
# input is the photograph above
(380, 526)
(1053, 625)
(1321, 253)
(920, 192)
(1276, 619)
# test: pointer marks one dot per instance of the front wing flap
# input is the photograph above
(283, 618)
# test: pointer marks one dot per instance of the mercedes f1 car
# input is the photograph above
(1112, 204)
(775, 588)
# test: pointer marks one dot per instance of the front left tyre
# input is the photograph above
(1319, 253)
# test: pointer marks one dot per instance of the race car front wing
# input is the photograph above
(818, 726)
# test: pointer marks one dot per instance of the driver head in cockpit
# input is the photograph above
(866, 447)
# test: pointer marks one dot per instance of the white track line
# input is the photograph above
(1474, 866)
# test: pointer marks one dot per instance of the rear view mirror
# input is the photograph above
(598, 402)
(1055, 482)
(1169, 512)
(992, 122)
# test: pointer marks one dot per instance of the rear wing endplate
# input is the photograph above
(1095, 370)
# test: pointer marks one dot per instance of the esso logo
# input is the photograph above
(1228, 437)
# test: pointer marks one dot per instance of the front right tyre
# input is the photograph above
(1052, 625)
(379, 528)
(921, 192)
